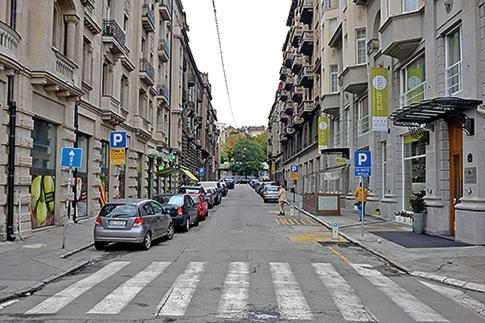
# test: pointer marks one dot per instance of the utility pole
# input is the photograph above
(12, 111)
(76, 132)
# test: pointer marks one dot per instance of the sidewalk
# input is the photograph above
(26, 266)
(462, 266)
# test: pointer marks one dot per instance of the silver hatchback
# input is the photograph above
(270, 193)
(133, 221)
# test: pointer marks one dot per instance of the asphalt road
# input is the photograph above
(245, 263)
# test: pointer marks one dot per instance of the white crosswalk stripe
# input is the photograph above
(458, 297)
(291, 302)
(60, 300)
(343, 294)
(118, 299)
(233, 303)
(410, 304)
(177, 299)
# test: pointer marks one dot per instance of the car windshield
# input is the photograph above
(272, 188)
(119, 211)
(176, 200)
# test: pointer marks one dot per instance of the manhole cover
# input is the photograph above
(34, 246)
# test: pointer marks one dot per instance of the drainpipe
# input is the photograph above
(76, 132)
(12, 111)
(170, 85)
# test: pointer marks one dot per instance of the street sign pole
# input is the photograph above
(362, 208)
(68, 206)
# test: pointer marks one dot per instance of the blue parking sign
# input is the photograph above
(202, 172)
(294, 169)
(71, 157)
(362, 163)
(117, 139)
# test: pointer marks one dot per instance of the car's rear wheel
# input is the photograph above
(170, 231)
(100, 245)
(196, 222)
(206, 214)
(147, 241)
(186, 226)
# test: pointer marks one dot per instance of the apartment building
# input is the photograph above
(72, 72)
(404, 79)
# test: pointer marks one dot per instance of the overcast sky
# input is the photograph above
(253, 32)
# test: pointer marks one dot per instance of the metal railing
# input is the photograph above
(167, 4)
(112, 29)
(415, 95)
(163, 45)
(364, 125)
(148, 12)
(147, 67)
(454, 78)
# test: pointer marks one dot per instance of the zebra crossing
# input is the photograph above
(174, 300)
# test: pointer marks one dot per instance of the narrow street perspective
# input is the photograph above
(242, 161)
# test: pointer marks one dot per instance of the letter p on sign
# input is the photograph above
(117, 139)
(362, 158)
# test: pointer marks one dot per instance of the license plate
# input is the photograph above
(117, 223)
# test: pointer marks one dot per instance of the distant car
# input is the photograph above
(218, 190)
(192, 190)
(245, 180)
(253, 183)
(225, 189)
(134, 221)
(231, 183)
(262, 186)
(182, 209)
(202, 206)
(270, 193)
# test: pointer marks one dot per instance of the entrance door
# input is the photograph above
(456, 168)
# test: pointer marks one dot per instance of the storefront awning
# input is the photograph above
(189, 174)
(427, 111)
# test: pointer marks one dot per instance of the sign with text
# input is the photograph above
(117, 156)
(362, 163)
(380, 99)
(323, 125)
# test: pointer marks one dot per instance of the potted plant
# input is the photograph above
(419, 207)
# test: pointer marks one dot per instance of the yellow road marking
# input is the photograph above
(340, 255)
(316, 237)
(278, 221)
(274, 212)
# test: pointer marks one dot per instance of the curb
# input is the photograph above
(39, 285)
(442, 279)
(69, 254)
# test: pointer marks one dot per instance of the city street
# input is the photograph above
(245, 263)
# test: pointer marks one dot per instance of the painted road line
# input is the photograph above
(407, 302)
(177, 299)
(291, 302)
(60, 300)
(119, 298)
(233, 303)
(332, 249)
(8, 303)
(343, 294)
(458, 296)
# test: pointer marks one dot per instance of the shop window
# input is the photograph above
(413, 82)
(82, 178)
(454, 73)
(104, 174)
(43, 186)
(414, 168)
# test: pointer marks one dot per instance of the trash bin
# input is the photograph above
(418, 223)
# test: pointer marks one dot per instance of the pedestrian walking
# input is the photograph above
(282, 199)
(360, 192)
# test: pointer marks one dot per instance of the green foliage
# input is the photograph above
(417, 202)
(262, 141)
(247, 157)
(231, 141)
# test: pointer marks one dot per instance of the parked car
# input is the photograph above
(210, 196)
(245, 180)
(253, 183)
(182, 209)
(225, 189)
(231, 182)
(218, 190)
(134, 221)
(196, 189)
(262, 186)
(270, 193)
(202, 206)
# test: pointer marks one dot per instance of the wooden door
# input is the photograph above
(456, 168)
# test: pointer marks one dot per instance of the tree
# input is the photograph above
(262, 141)
(246, 157)
(229, 144)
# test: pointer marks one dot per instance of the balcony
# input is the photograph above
(112, 113)
(402, 34)
(297, 94)
(306, 107)
(147, 72)
(306, 43)
(163, 51)
(296, 34)
(330, 103)
(9, 44)
(148, 18)
(290, 82)
(165, 7)
(306, 11)
(284, 72)
(354, 79)
(297, 63)
(284, 95)
(305, 78)
(284, 117)
(289, 108)
(297, 121)
(114, 35)
(283, 137)
(163, 94)
(143, 128)
(288, 59)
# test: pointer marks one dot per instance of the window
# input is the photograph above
(384, 168)
(87, 61)
(336, 131)
(413, 82)
(139, 177)
(360, 46)
(454, 76)
(347, 126)
(388, 8)
(409, 5)
(11, 14)
(363, 116)
(124, 92)
(414, 168)
(334, 78)
(333, 24)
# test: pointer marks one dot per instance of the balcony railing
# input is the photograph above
(454, 78)
(415, 95)
(163, 50)
(9, 42)
(147, 68)
(165, 7)
(112, 29)
(162, 91)
(148, 17)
